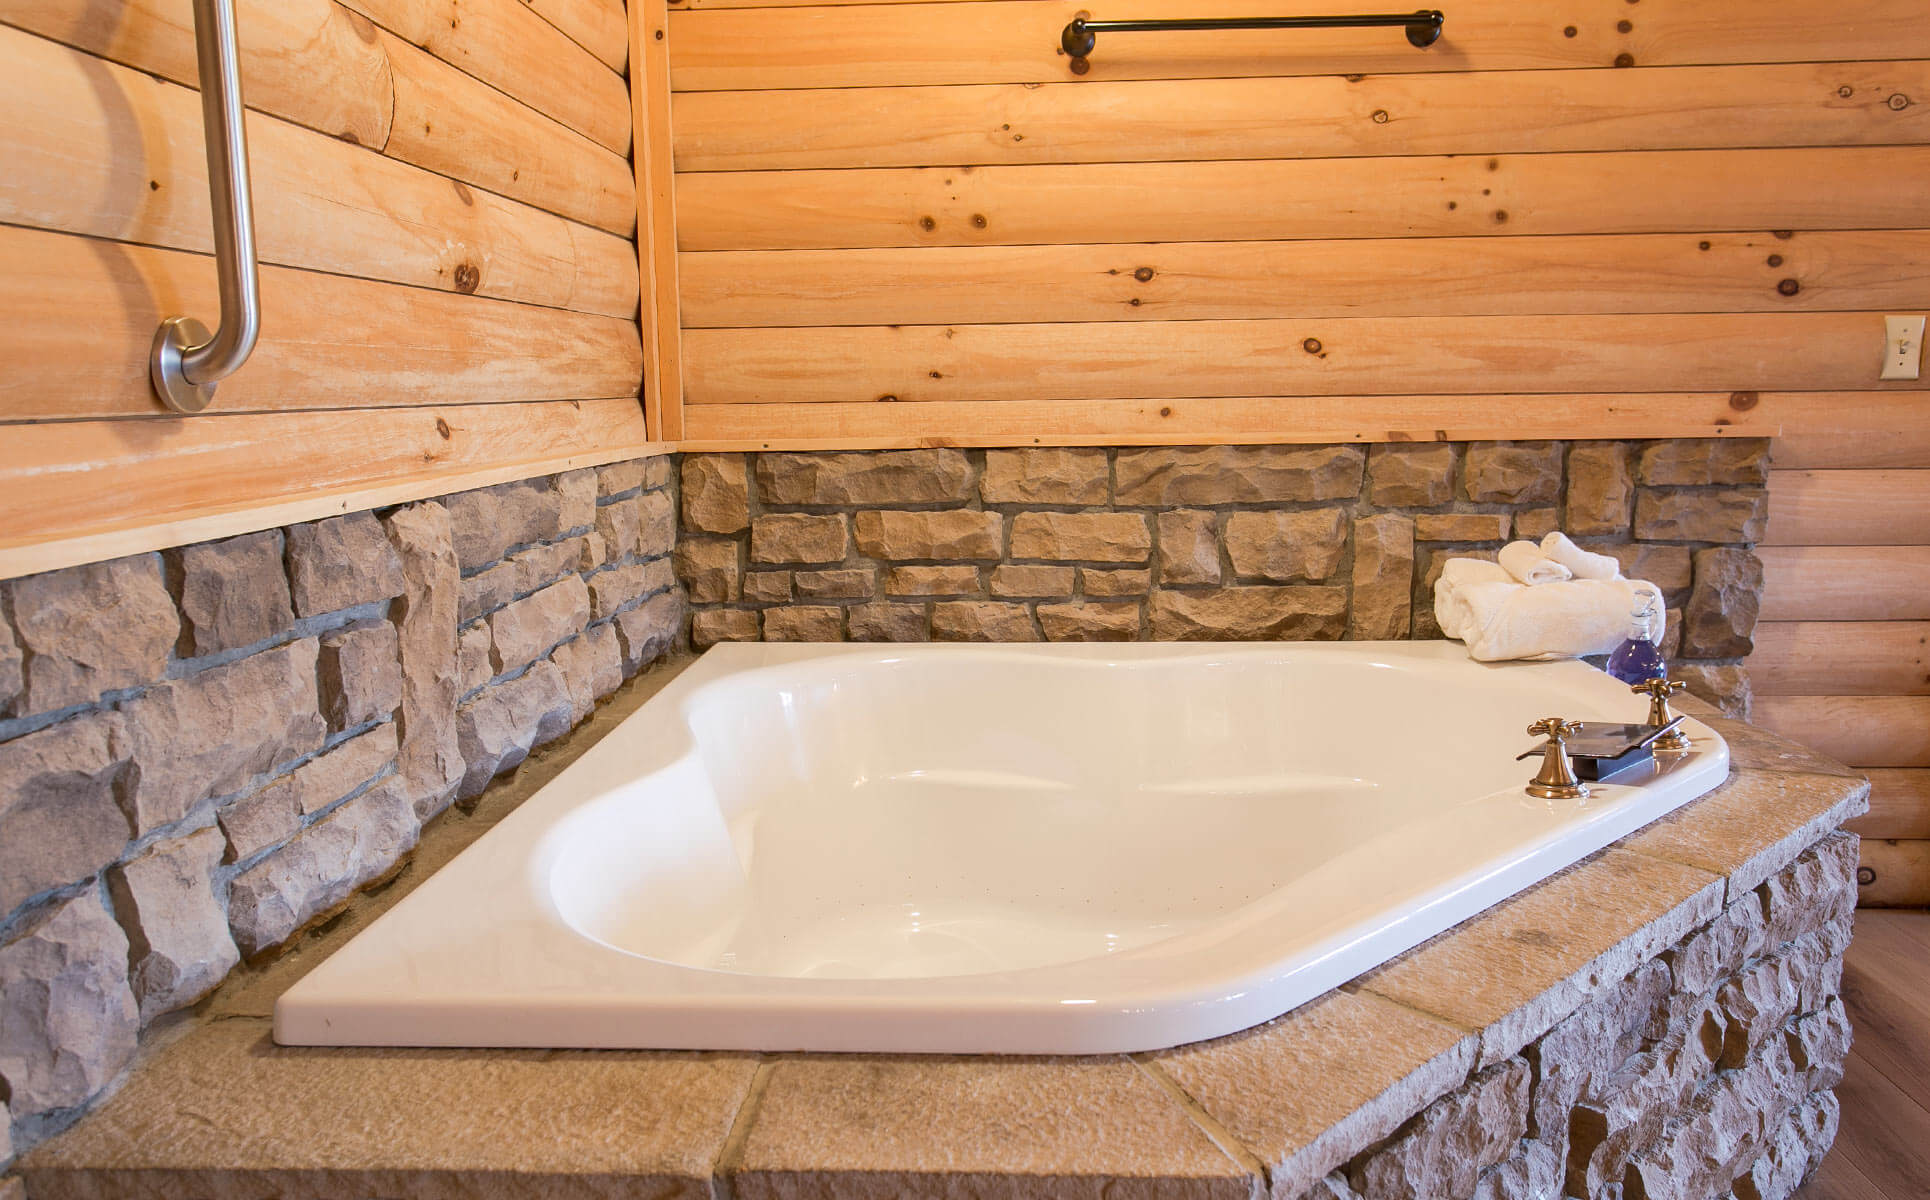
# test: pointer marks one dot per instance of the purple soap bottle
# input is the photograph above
(1638, 659)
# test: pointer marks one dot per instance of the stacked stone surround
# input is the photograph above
(1205, 543)
(204, 751)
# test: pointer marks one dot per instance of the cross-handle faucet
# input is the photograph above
(1658, 691)
(1557, 779)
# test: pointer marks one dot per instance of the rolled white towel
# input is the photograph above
(1582, 563)
(1504, 620)
(1458, 576)
(1526, 562)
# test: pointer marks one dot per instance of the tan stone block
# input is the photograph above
(258, 821)
(1115, 583)
(1409, 475)
(1727, 687)
(344, 562)
(650, 630)
(1250, 614)
(473, 653)
(59, 817)
(724, 625)
(1720, 620)
(716, 492)
(1636, 1100)
(1716, 951)
(614, 589)
(1713, 515)
(1753, 826)
(932, 581)
(1534, 524)
(981, 621)
(1575, 1058)
(1460, 527)
(234, 593)
(503, 723)
(709, 570)
(177, 932)
(1667, 567)
(1045, 476)
(487, 523)
(211, 1117)
(1817, 889)
(657, 524)
(67, 1019)
(523, 572)
(1512, 472)
(92, 629)
(656, 471)
(850, 583)
(799, 538)
(1118, 622)
(912, 536)
(804, 623)
(1693, 462)
(329, 776)
(1383, 579)
(865, 477)
(592, 668)
(1009, 579)
(528, 629)
(614, 479)
(1106, 537)
(575, 500)
(874, 1128)
(1189, 547)
(882, 622)
(1518, 968)
(1600, 489)
(618, 522)
(1281, 547)
(1444, 1151)
(13, 679)
(429, 763)
(1308, 1091)
(1164, 478)
(767, 587)
(360, 674)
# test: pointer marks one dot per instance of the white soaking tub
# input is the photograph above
(1001, 849)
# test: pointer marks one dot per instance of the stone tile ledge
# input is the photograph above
(1455, 1031)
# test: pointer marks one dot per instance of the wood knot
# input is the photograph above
(1789, 287)
(1846, 91)
(979, 221)
(1624, 60)
(468, 278)
(1898, 102)
(1744, 401)
(1165, 412)
(1865, 876)
(463, 193)
(927, 224)
(1624, 27)
(1775, 260)
(442, 429)
(1703, 245)
(1569, 31)
(1380, 116)
(1311, 346)
(1144, 274)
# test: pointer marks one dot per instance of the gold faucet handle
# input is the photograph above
(1555, 729)
(1658, 691)
(1658, 688)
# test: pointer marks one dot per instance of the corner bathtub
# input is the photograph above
(1005, 849)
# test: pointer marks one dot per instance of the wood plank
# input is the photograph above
(1845, 583)
(504, 44)
(1849, 508)
(656, 186)
(1899, 805)
(1477, 112)
(1839, 1179)
(1863, 731)
(1386, 355)
(596, 25)
(317, 64)
(1843, 658)
(883, 45)
(1882, 984)
(1849, 429)
(1901, 878)
(1634, 192)
(1629, 273)
(180, 480)
(327, 340)
(1237, 420)
(104, 150)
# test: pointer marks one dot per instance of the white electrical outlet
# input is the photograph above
(1902, 347)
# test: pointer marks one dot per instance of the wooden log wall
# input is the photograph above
(446, 210)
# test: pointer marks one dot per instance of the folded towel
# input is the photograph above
(1582, 563)
(1500, 619)
(1526, 562)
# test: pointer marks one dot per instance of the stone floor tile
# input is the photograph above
(226, 1113)
(1307, 1091)
(1755, 825)
(1515, 970)
(858, 1127)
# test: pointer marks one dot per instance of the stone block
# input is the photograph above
(1383, 578)
(60, 815)
(1409, 475)
(656, 471)
(1460, 527)
(326, 778)
(615, 479)
(260, 820)
(234, 593)
(1117, 622)
(1818, 1044)
(1816, 890)
(1631, 1105)
(768, 587)
(1700, 1154)
(724, 625)
(1115, 583)
(429, 762)
(932, 581)
(914, 536)
(472, 654)
(1720, 620)
(716, 493)
(208, 734)
(614, 589)
(92, 629)
(804, 623)
(68, 1020)
(618, 524)
(799, 538)
(1009, 580)
(340, 563)
(981, 621)
(1250, 614)
(1105, 537)
(885, 622)
(1725, 687)
(657, 524)
(1796, 1148)
(526, 630)
(177, 933)
(649, 630)
(360, 674)
(1045, 476)
(849, 583)
(1531, 1173)
(1600, 489)
(487, 523)
(13, 679)
(592, 668)
(1444, 1151)
(499, 728)
(593, 552)
(1512, 472)
(1667, 567)
(1697, 462)
(575, 500)
(1712, 515)
(322, 867)
(1716, 951)
(870, 478)
(525, 571)
(1573, 1059)
(658, 575)
(1283, 547)
(709, 569)
(1171, 477)
(1534, 524)
(1189, 548)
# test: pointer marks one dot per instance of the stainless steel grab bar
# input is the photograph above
(187, 361)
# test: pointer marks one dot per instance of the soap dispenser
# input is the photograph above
(1638, 659)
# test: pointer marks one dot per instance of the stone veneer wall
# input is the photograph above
(205, 750)
(1222, 542)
